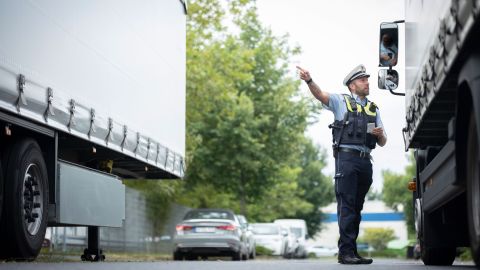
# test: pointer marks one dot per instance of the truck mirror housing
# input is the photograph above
(387, 79)
(388, 45)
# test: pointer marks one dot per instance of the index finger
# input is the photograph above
(301, 69)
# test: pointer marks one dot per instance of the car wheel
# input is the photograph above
(253, 254)
(177, 256)
(473, 189)
(24, 221)
(245, 256)
(237, 256)
(190, 257)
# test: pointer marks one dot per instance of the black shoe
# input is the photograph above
(348, 259)
(364, 260)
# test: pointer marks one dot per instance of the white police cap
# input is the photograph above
(358, 72)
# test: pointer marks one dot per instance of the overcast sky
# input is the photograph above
(335, 36)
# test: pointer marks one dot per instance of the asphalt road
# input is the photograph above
(327, 264)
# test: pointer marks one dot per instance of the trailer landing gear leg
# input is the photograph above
(93, 253)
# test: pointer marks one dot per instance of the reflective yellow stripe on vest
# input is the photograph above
(349, 106)
(367, 109)
(359, 107)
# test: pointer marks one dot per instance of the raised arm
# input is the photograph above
(323, 96)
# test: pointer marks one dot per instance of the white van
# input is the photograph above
(297, 227)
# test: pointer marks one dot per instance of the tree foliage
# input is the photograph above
(396, 194)
(246, 148)
(246, 119)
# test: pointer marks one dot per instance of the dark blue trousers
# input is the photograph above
(353, 178)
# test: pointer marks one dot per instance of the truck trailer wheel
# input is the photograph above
(1, 191)
(433, 255)
(24, 221)
(473, 189)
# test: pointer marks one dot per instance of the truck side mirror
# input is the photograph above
(387, 79)
(388, 45)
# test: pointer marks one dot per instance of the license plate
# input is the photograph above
(205, 229)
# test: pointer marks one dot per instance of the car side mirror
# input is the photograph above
(387, 79)
(388, 45)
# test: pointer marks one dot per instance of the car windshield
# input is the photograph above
(297, 232)
(265, 230)
(209, 214)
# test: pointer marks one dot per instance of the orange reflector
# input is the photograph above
(412, 186)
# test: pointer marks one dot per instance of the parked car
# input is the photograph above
(270, 235)
(322, 251)
(209, 232)
(247, 230)
(297, 227)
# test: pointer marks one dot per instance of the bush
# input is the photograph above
(464, 254)
(261, 250)
(378, 238)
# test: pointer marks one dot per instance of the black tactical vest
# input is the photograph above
(352, 129)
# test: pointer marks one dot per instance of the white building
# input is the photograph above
(375, 214)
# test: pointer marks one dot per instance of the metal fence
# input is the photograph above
(136, 234)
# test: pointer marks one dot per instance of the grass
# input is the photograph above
(110, 256)
(387, 253)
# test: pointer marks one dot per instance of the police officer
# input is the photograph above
(356, 130)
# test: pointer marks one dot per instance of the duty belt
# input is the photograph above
(355, 152)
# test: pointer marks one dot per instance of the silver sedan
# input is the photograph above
(209, 232)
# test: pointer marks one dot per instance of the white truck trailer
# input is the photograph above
(442, 48)
(90, 92)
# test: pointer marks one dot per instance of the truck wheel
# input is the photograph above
(1, 190)
(437, 255)
(432, 255)
(473, 189)
(24, 221)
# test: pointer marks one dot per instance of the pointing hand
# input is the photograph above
(304, 74)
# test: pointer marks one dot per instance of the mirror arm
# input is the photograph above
(391, 91)
(397, 94)
(399, 21)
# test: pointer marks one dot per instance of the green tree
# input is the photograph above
(396, 194)
(246, 119)
(318, 188)
(246, 148)
(374, 195)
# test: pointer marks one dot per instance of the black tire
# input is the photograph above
(473, 189)
(438, 256)
(24, 221)
(177, 256)
(190, 257)
(245, 256)
(432, 255)
(253, 254)
(1, 191)
(237, 256)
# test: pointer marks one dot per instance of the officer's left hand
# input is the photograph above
(378, 132)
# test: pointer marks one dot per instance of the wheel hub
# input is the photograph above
(418, 217)
(32, 199)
